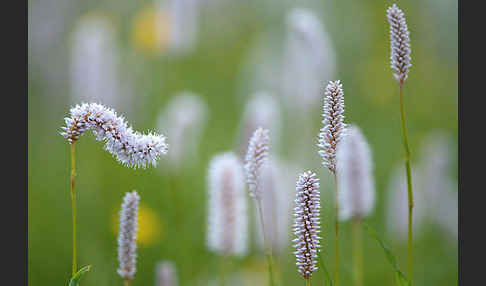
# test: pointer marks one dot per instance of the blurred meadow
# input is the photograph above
(206, 73)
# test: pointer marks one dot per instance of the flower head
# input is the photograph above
(400, 43)
(166, 274)
(129, 147)
(262, 110)
(184, 120)
(255, 158)
(356, 194)
(127, 237)
(332, 132)
(309, 58)
(306, 226)
(227, 221)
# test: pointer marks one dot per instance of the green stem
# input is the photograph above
(222, 268)
(336, 239)
(126, 282)
(307, 282)
(268, 251)
(409, 185)
(358, 252)
(73, 203)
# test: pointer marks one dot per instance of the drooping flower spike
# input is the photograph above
(400, 43)
(256, 156)
(307, 225)
(127, 237)
(333, 130)
(129, 147)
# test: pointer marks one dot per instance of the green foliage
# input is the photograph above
(75, 279)
(399, 276)
(327, 276)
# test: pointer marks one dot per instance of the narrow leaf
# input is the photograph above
(399, 276)
(75, 279)
(327, 277)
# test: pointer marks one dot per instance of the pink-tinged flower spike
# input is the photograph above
(256, 156)
(129, 147)
(333, 130)
(400, 43)
(127, 237)
(227, 218)
(306, 226)
(356, 188)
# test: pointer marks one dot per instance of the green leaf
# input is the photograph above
(76, 277)
(327, 277)
(399, 276)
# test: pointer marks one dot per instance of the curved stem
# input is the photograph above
(336, 239)
(358, 252)
(268, 251)
(73, 204)
(409, 185)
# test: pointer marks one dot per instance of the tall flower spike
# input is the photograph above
(129, 147)
(127, 237)
(227, 219)
(400, 43)
(255, 158)
(333, 131)
(356, 192)
(306, 227)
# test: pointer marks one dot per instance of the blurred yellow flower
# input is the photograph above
(150, 31)
(149, 226)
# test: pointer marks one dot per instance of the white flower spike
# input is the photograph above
(127, 237)
(356, 192)
(227, 218)
(400, 43)
(256, 156)
(306, 226)
(333, 130)
(129, 147)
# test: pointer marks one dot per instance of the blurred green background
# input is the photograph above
(220, 66)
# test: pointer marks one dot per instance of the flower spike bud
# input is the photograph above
(333, 130)
(256, 156)
(399, 42)
(356, 194)
(127, 237)
(306, 223)
(129, 147)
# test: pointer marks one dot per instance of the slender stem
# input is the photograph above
(409, 185)
(358, 252)
(222, 268)
(307, 282)
(73, 203)
(336, 239)
(126, 282)
(268, 251)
